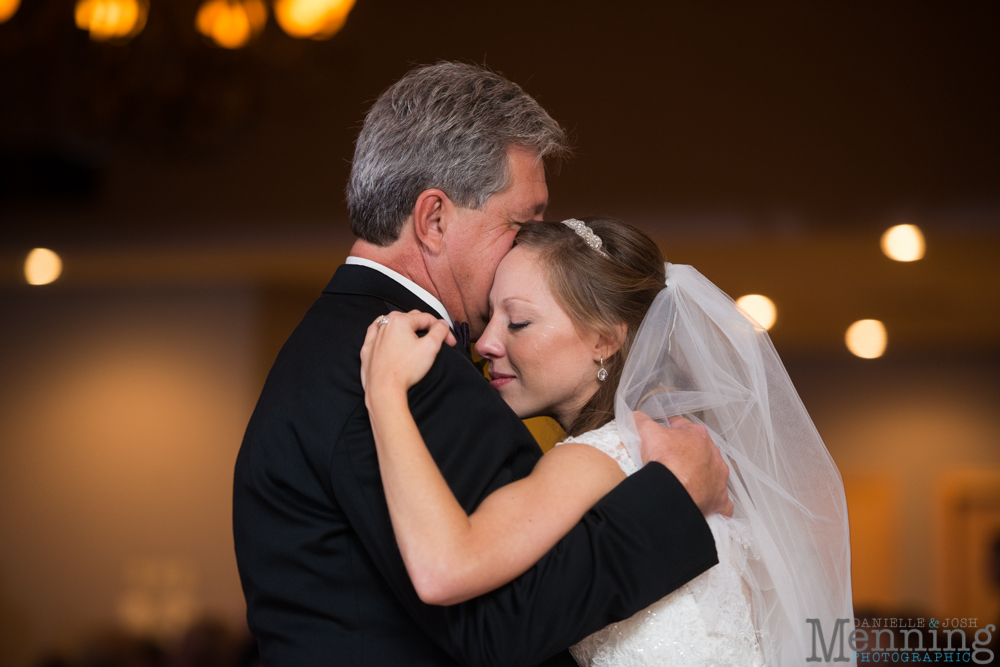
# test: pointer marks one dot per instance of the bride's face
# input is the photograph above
(539, 361)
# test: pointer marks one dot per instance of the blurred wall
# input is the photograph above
(121, 413)
(904, 430)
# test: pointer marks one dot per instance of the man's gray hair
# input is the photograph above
(447, 126)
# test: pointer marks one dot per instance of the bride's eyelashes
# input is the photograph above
(517, 325)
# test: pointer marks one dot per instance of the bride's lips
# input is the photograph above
(499, 379)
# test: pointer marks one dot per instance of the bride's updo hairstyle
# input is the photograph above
(599, 292)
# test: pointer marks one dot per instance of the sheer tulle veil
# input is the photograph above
(697, 354)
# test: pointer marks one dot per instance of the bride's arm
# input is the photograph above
(449, 555)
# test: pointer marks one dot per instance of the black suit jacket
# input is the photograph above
(323, 578)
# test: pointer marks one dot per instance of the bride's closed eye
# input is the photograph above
(517, 325)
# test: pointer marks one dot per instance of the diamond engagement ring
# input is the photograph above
(383, 320)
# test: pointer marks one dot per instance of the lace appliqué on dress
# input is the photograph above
(675, 631)
(607, 440)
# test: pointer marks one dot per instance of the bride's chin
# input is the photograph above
(522, 406)
(520, 411)
(528, 413)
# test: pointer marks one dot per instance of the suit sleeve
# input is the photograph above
(640, 542)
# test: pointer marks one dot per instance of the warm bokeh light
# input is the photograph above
(903, 243)
(8, 8)
(160, 597)
(111, 20)
(866, 339)
(315, 19)
(42, 266)
(760, 308)
(231, 23)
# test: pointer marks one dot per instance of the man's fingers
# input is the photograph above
(727, 511)
(643, 422)
(642, 419)
(687, 450)
(726, 507)
(720, 461)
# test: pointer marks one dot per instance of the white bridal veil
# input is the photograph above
(697, 354)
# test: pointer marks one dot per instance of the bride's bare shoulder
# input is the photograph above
(607, 441)
(576, 461)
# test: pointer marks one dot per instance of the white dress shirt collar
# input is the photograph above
(419, 291)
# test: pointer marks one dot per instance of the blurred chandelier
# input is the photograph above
(8, 8)
(314, 19)
(115, 21)
(230, 24)
(181, 78)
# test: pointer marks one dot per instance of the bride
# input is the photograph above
(588, 325)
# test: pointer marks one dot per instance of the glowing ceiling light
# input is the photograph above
(315, 19)
(111, 20)
(866, 339)
(42, 266)
(903, 243)
(760, 308)
(8, 8)
(231, 23)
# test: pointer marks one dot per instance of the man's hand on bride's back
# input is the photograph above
(689, 453)
(394, 357)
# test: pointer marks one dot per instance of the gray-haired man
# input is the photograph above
(447, 166)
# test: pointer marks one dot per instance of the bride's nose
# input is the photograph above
(488, 346)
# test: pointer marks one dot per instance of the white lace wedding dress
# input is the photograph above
(705, 622)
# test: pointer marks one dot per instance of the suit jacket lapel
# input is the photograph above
(364, 281)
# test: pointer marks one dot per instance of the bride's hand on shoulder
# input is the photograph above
(394, 357)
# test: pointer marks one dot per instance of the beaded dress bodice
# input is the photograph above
(674, 630)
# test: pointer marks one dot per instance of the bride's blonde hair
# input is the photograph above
(599, 292)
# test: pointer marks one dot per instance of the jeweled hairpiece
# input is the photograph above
(586, 233)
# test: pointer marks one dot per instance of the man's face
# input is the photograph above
(476, 241)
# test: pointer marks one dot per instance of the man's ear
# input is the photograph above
(429, 219)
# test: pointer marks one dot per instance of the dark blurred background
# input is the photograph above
(195, 196)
